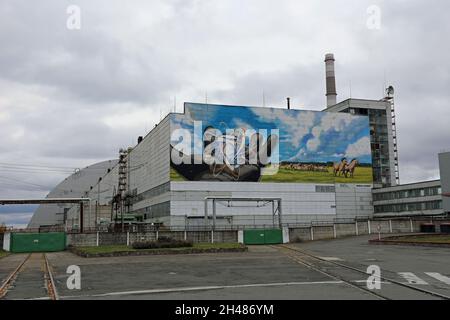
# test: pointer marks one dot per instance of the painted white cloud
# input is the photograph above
(298, 124)
(336, 121)
(359, 148)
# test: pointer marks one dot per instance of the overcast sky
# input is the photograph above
(69, 98)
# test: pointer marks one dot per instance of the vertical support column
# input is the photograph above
(356, 228)
(96, 242)
(280, 220)
(206, 212)
(185, 235)
(390, 225)
(214, 214)
(334, 231)
(128, 238)
(212, 235)
(285, 234)
(81, 217)
(240, 236)
(157, 234)
(368, 227)
(90, 214)
(312, 233)
(273, 214)
(411, 224)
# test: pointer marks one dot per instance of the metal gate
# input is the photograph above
(266, 236)
(37, 242)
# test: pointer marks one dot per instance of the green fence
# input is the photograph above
(38, 242)
(267, 236)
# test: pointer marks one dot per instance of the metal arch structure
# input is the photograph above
(275, 210)
(79, 201)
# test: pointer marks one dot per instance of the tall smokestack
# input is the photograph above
(330, 79)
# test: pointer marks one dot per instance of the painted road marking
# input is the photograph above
(186, 289)
(439, 277)
(411, 278)
(331, 258)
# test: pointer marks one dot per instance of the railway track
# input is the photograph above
(11, 280)
(305, 258)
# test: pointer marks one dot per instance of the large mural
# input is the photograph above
(237, 143)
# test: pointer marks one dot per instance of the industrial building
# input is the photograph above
(416, 199)
(76, 185)
(148, 185)
(337, 164)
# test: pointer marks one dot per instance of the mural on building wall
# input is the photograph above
(234, 143)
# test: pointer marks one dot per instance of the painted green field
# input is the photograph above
(175, 176)
(361, 175)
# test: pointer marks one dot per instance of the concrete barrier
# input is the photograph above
(119, 238)
(294, 234)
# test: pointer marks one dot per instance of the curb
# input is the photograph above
(155, 252)
(386, 241)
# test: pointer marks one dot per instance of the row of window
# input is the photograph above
(402, 207)
(155, 211)
(413, 193)
(156, 191)
(325, 189)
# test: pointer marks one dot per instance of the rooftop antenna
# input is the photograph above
(175, 104)
(264, 98)
(350, 88)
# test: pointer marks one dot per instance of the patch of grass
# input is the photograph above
(218, 245)
(167, 243)
(124, 248)
(433, 238)
(3, 253)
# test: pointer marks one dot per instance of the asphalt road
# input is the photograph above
(265, 273)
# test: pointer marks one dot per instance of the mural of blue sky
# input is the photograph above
(305, 136)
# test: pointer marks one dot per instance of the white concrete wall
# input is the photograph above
(296, 198)
(353, 200)
(300, 202)
(444, 167)
(150, 160)
(6, 241)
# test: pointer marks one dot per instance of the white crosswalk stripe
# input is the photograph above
(439, 277)
(411, 278)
